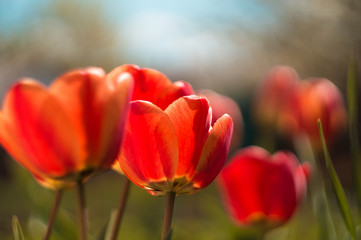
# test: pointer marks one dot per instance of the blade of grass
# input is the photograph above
(352, 97)
(110, 224)
(337, 187)
(18, 233)
(317, 191)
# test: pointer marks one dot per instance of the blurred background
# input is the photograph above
(227, 46)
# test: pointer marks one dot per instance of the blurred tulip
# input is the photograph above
(262, 190)
(175, 150)
(272, 93)
(314, 99)
(221, 105)
(153, 86)
(72, 129)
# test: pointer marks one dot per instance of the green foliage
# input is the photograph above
(337, 187)
(17, 231)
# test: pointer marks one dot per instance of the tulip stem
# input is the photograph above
(120, 211)
(167, 222)
(54, 210)
(81, 211)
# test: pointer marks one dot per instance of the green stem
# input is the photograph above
(167, 222)
(317, 189)
(121, 208)
(81, 211)
(54, 210)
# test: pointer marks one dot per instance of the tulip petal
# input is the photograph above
(241, 198)
(286, 158)
(172, 93)
(78, 93)
(280, 194)
(191, 117)
(150, 148)
(114, 118)
(117, 75)
(214, 154)
(301, 176)
(225, 105)
(36, 131)
(299, 172)
(148, 83)
(264, 187)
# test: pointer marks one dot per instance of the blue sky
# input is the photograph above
(185, 33)
(174, 36)
(15, 13)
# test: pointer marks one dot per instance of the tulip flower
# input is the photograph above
(69, 131)
(272, 93)
(175, 151)
(153, 86)
(222, 104)
(314, 99)
(262, 190)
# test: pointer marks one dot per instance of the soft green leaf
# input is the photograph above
(110, 224)
(337, 187)
(18, 233)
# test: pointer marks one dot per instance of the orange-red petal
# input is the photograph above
(150, 148)
(152, 85)
(117, 74)
(36, 131)
(214, 153)
(114, 118)
(225, 105)
(173, 92)
(191, 117)
(149, 83)
(78, 93)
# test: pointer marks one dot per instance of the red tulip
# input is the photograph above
(153, 86)
(314, 99)
(175, 150)
(272, 93)
(70, 130)
(222, 104)
(260, 189)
